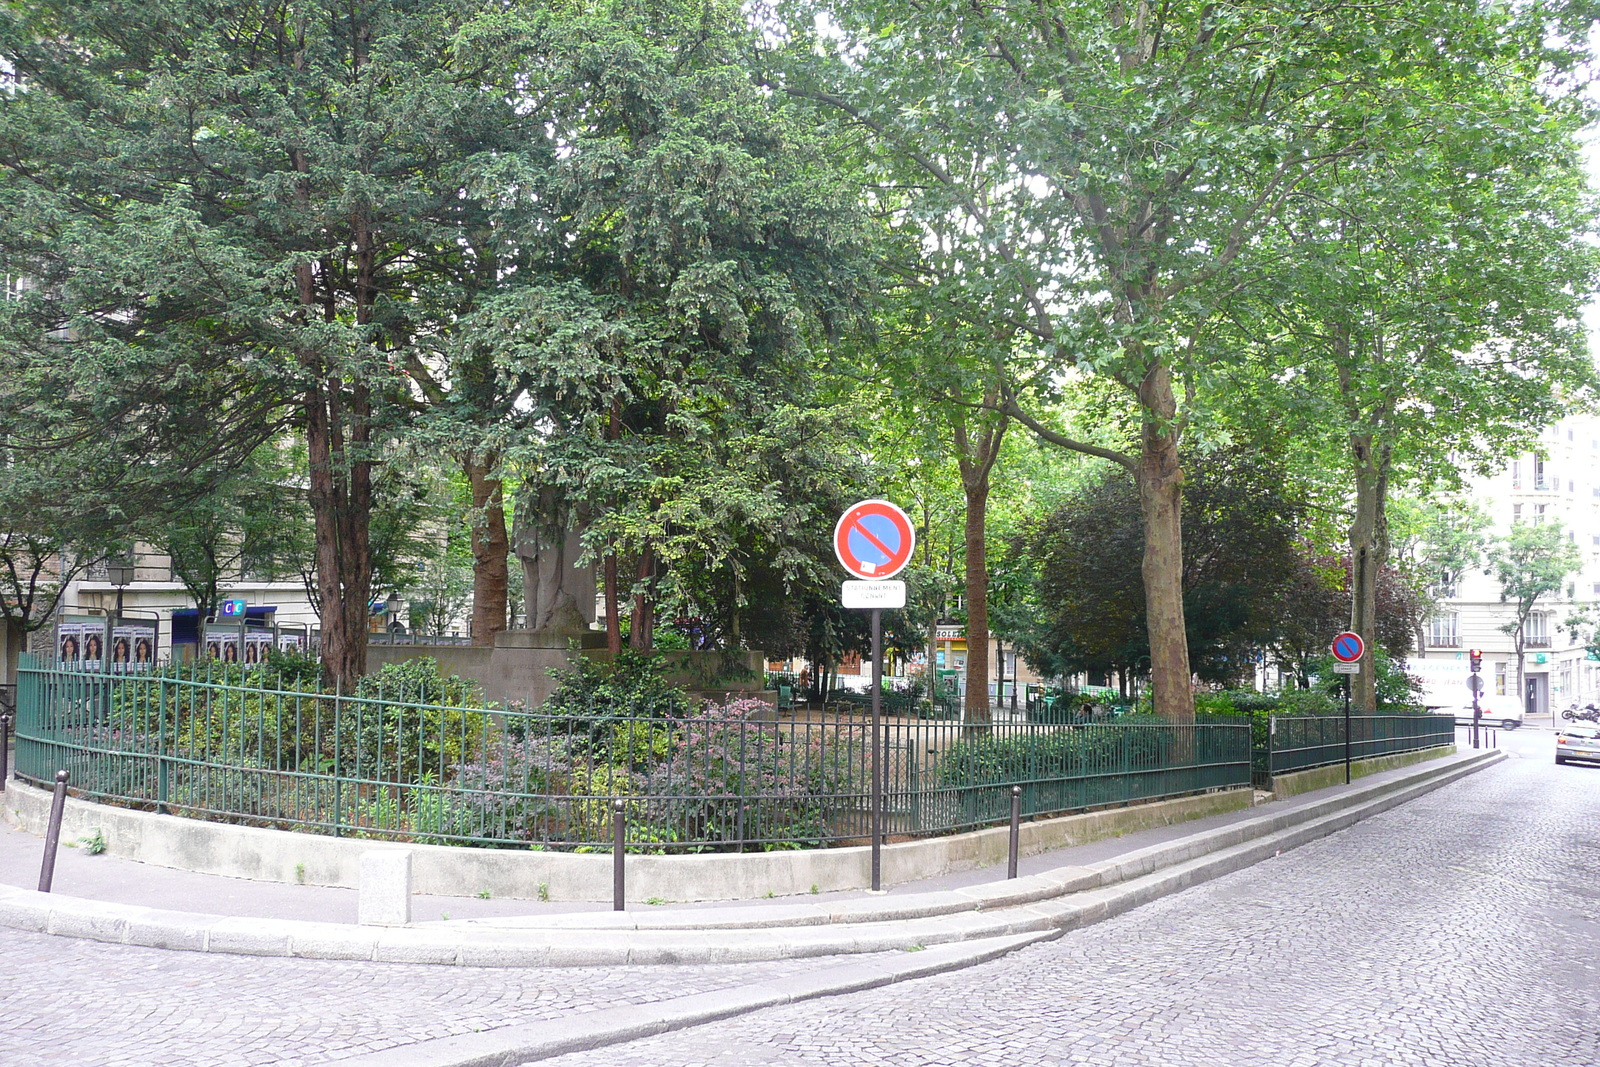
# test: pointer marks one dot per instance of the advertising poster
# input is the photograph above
(133, 647)
(291, 642)
(94, 646)
(256, 645)
(223, 645)
(69, 644)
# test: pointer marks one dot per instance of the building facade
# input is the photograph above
(1558, 484)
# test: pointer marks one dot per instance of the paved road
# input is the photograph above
(84, 1004)
(1459, 930)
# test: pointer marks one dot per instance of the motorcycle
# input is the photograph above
(1583, 713)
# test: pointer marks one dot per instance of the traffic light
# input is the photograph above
(1476, 656)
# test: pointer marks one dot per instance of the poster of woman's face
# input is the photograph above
(230, 652)
(144, 650)
(120, 651)
(93, 647)
(69, 647)
(251, 653)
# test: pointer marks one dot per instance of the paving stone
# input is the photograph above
(1458, 930)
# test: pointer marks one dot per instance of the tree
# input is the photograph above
(1438, 542)
(683, 263)
(1530, 562)
(1243, 553)
(1115, 169)
(275, 194)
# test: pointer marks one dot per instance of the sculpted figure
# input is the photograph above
(557, 594)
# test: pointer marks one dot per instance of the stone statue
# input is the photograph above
(557, 594)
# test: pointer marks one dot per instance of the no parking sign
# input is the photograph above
(874, 539)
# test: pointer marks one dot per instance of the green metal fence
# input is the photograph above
(1297, 743)
(247, 750)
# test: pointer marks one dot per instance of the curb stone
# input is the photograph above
(528, 1042)
(1039, 905)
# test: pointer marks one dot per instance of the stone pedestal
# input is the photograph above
(383, 896)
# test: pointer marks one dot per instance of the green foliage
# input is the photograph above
(632, 685)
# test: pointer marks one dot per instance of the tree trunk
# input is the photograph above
(976, 455)
(491, 549)
(613, 617)
(337, 424)
(977, 588)
(1160, 477)
(642, 626)
(1368, 545)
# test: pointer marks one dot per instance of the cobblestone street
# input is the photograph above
(1461, 929)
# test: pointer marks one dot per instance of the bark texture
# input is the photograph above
(1160, 477)
(491, 550)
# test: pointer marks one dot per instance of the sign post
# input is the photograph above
(1475, 683)
(1348, 648)
(874, 540)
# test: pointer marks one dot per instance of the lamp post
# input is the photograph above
(119, 573)
(391, 609)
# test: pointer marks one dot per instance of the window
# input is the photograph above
(1569, 435)
(1448, 586)
(1500, 678)
(1516, 512)
(1536, 634)
(1538, 514)
(1572, 486)
(1516, 474)
(1442, 630)
(1597, 588)
(1540, 476)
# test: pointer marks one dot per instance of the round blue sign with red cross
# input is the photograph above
(1348, 647)
(874, 539)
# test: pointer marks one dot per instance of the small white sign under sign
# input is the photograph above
(1347, 668)
(874, 594)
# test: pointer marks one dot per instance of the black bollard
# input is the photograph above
(619, 829)
(5, 745)
(52, 837)
(1016, 829)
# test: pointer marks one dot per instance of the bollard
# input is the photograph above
(5, 743)
(619, 828)
(1016, 829)
(52, 837)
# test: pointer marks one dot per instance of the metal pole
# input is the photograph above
(877, 750)
(1347, 680)
(5, 743)
(1016, 829)
(52, 837)
(1477, 712)
(619, 830)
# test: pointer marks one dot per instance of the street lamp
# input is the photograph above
(392, 609)
(120, 574)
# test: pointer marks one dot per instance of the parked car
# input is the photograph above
(1504, 712)
(1577, 740)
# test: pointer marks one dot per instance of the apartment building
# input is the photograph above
(1560, 483)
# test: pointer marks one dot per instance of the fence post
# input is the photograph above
(619, 830)
(5, 744)
(52, 837)
(1016, 829)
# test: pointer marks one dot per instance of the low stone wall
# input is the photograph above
(519, 667)
(443, 870)
(1288, 785)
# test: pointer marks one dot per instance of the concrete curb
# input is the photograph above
(528, 1042)
(1057, 900)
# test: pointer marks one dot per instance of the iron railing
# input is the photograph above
(1297, 743)
(226, 744)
